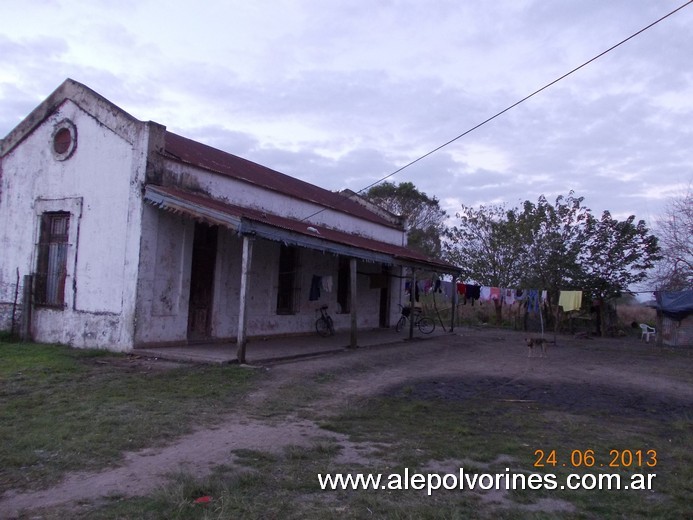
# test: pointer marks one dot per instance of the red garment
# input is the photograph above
(461, 288)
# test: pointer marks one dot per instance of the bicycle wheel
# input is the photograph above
(330, 325)
(322, 327)
(400, 324)
(426, 325)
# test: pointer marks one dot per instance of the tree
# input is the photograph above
(551, 246)
(485, 246)
(552, 238)
(616, 256)
(675, 232)
(424, 218)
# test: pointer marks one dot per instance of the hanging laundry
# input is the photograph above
(327, 283)
(461, 288)
(485, 293)
(473, 292)
(533, 300)
(508, 296)
(570, 300)
(407, 289)
(495, 293)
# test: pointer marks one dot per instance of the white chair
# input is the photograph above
(647, 331)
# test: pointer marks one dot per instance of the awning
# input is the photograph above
(676, 305)
(249, 221)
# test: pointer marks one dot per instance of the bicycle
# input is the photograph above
(324, 325)
(425, 324)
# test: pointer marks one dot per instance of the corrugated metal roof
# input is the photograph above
(212, 159)
(275, 227)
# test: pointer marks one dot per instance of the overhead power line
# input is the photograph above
(498, 114)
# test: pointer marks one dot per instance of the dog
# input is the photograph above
(539, 343)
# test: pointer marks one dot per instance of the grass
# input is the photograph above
(402, 431)
(65, 409)
(416, 432)
(480, 435)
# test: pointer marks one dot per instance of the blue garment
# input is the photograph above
(533, 297)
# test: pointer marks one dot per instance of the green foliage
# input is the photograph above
(485, 246)
(424, 219)
(551, 246)
(552, 237)
(616, 254)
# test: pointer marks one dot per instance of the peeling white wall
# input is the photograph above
(163, 294)
(249, 195)
(166, 257)
(103, 178)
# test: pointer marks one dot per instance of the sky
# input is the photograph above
(343, 93)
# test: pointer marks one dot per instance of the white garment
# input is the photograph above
(327, 283)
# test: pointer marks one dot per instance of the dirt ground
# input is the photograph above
(614, 376)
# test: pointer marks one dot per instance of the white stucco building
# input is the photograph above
(135, 236)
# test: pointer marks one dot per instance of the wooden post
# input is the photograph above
(412, 303)
(353, 343)
(243, 303)
(453, 301)
(25, 331)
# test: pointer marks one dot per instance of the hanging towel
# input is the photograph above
(495, 293)
(327, 283)
(570, 300)
(485, 293)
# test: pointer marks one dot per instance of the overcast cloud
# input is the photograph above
(343, 93)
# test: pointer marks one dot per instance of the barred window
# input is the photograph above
(51, 268)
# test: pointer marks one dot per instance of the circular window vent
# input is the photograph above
(64, 140)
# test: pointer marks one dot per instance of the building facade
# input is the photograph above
(129, 235)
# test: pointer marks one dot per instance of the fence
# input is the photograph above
(15, 306)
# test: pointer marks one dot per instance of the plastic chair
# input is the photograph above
(647, 331)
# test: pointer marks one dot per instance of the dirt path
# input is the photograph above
(617, 375)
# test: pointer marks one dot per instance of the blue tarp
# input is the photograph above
(675, 304)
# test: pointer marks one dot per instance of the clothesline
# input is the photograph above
(569, 300)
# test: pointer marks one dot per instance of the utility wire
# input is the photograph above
(498, 114)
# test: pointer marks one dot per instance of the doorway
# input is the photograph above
(204, 257)
(384, 285)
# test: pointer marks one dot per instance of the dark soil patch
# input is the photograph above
(566, 396)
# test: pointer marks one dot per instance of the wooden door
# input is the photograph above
(202, 281)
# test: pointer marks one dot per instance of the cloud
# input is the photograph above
(342, 95)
